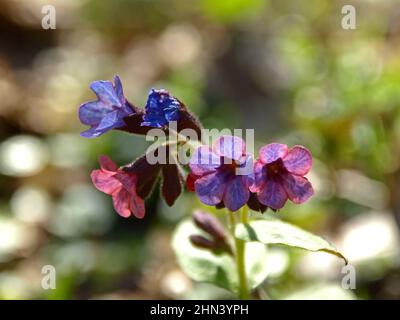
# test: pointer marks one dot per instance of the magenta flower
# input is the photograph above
(216, 170)
(108, 111)
(121, 186)
(279, 175)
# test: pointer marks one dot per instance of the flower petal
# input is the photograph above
(298, 189)
(298, 160)
(91, 113)
(136, 205)
(204, 161)
(110, 120)
(210, 188)
(259, 177)
(155, 99)
(128, 180)
(231, 147)
(171, 114)
(105, 181)
(106, 113)
(121, 200)
(107, 164)
(147, 175)
(272, 194)
(236, 194)
(272, 152)
(91, 133)
(106, 93)
(160, 108)
(118, 88)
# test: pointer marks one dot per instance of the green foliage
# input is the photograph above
(218, 269)
(278, 232)
(231, 10)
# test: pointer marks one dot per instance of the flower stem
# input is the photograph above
(245, 215)
(185, 140)
(240, 251)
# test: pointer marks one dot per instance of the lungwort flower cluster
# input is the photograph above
(278, 174)
(224, 175)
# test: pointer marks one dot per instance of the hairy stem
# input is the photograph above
(181, 139)
(240, 251)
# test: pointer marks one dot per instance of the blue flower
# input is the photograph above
(161, 108)
(108, 111)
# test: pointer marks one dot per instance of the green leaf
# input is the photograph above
(218, 269)
(278, 232)
(257, 268)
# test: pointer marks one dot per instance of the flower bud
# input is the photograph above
(213, 245)
(202, 242)
(209, 224)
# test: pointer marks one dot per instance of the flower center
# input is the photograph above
(228, 165)
(275, 168)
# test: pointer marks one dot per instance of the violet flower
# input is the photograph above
(217, 179)
(108, 111)
(279, 175)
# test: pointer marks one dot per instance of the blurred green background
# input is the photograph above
(285, 68)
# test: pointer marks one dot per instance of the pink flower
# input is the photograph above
(121, 186)
(279, 175)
